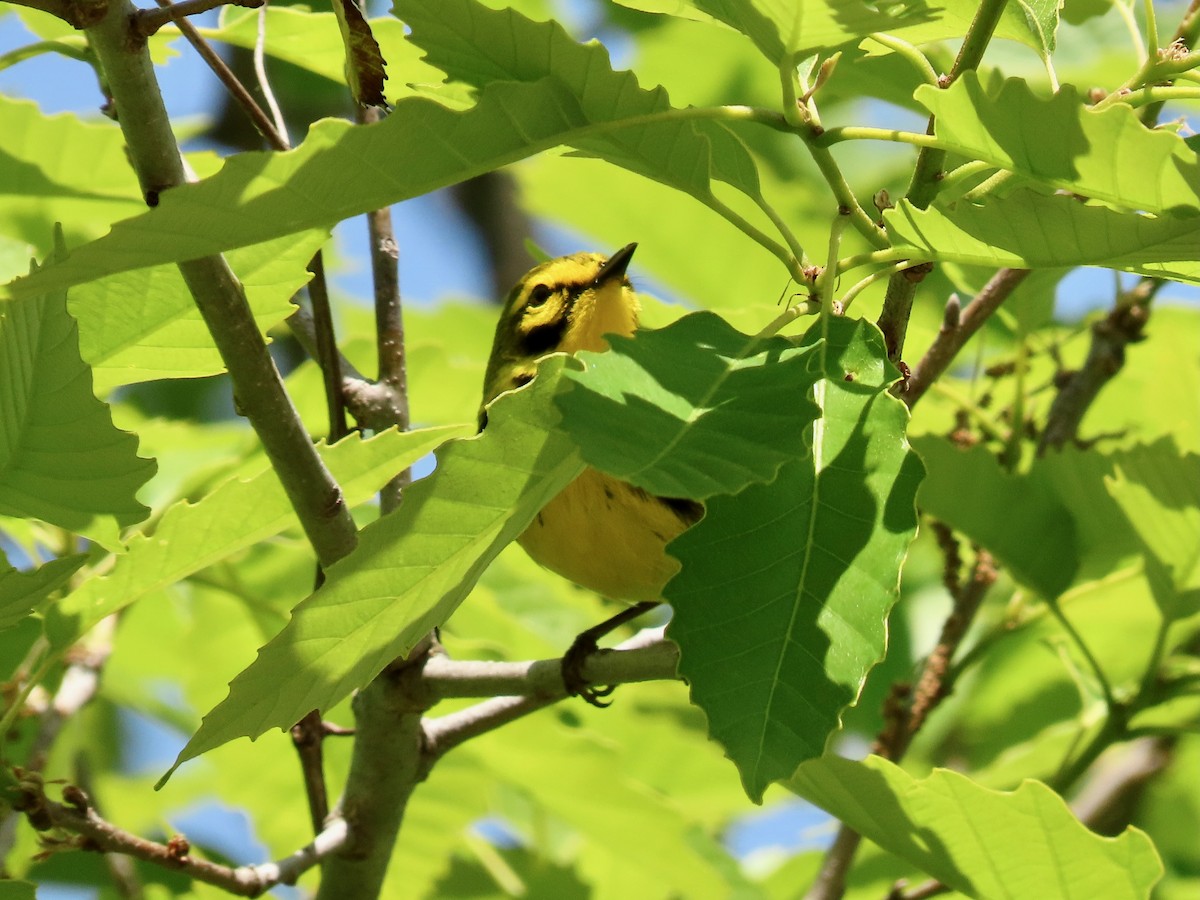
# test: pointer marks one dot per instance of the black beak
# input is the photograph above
(615, 265)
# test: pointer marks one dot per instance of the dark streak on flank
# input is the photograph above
(687, 511)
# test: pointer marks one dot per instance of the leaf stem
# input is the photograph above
(1151, 30)
(859, 218)
(953, 179)
(877, 257)
(1160, 94)
(1115, 711)
(1135, 34)
(788, 316)
(867, 133)
(909, 53)
(790, 262)
(855, 289)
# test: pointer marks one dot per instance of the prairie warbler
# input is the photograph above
(599, 532)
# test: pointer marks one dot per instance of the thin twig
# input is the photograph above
(1106, 356)
(78, 817)
(148, 21)
(237, 90)
(392, 378)
(953, 336)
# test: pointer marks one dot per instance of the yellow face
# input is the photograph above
(565, 304)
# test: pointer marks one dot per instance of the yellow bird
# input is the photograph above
(601, 533)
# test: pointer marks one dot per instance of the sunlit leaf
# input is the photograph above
(409, 571)
(981, 842)
(144, 325)
(1105, 154)
(61, 458)
(1030, 230)
(235, 515)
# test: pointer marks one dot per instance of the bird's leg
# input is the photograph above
(585, 645)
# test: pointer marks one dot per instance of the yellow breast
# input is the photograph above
(609, 536)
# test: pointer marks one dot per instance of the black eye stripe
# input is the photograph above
(544, 337)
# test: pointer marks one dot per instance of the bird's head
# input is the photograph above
(565, 304)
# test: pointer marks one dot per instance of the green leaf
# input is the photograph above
(1031, 22)
(1030, 230)
(792, 29)
(61, 458)
(1158, 489)
(409, 571)
(143, 325)
(21, 591)
(18, 890)
(309, 39)
(60, 169)
(476, 45)
(341, 171)
(238, 514)
(636, 828)
(1106, 154)
(693, 409)
(984, 843)
(782, 601)
(1035, 536)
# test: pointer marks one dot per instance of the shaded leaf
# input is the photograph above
(477, 45)
(235, 515)
(693, 409)
(409, 571)
(1031, 22)
(61, 458)
(984, 843)
(781, 604)
(1018, 518)
(1106, 154)
(365, 66)
(1158, 489)
(21, 591)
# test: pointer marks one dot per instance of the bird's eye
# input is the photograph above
(539, 295)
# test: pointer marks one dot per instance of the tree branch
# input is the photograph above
(530, 686)
(386, 766)
(77, 817)
(1106, 356)
(258, 389)
(897, 302)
